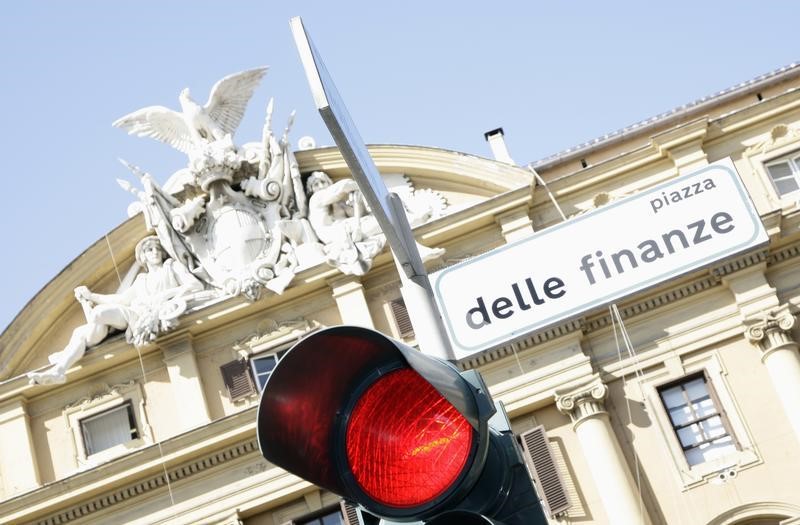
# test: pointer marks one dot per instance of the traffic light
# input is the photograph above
(404, 435)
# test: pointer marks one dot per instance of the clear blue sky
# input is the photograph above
(552, 74)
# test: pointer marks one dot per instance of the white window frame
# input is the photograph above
(793, 160)
(274, 353)
(694, 420)
(783, 141)
(746, 455)
(130, 417)
(112, 398)
(410, 339)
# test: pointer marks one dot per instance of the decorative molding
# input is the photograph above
(583, 402)
(105, 391)
(771, 330)
(756, 510)
(653, 302)
(108, 397)
(780, 135)
(152, 483)
(542, 336)
(740, 263)
(452, 261)
(784, 254)
(269, 330)
(644, 305)
(599, 200)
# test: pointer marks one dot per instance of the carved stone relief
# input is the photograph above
(237, 220)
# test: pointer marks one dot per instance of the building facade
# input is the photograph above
(682, 409)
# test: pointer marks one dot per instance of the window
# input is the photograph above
(238, 379)
(546, 477)
(104, 430)
(697, 420)
(785, 174)
(331, 518)
(262, 368)
(401, 318)
(244, 377)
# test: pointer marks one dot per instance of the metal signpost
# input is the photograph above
(387, 207)
(597, 258)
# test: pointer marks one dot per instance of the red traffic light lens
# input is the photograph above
(406, 444)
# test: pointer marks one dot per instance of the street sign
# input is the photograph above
(597, 258)
(387, 208)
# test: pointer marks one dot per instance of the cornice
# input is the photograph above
(600, 319)
(686, 111)
(27, 328)
(136, 474)
(653, 302)
(440, 164)
(152, 483)
(539, 337)
(692, 131)
(755, 114)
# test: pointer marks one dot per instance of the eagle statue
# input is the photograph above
(196, 125)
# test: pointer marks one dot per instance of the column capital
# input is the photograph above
(770, 330)
(348, 292)
(345, 284)
(515, 223)
(584, 401)
(176, 344)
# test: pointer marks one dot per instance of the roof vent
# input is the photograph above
(497, 143)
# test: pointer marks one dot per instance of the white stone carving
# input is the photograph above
(340, 218)
(197, 125)
(347, 229)
(229, 228)
(771, 330)
(584, 401)
(148, 307)
(236, 220)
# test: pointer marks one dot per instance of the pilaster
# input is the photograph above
(770, 332)
(348, 292)
(184, 377)
(751, 290)
(17, 455)
(515, 224)
(684, 145)
(585, 405)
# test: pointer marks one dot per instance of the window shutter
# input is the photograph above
(546, 476)
(238, 379)
(402, 319)
(350, 514)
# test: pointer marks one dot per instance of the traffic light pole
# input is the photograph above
(386, 207)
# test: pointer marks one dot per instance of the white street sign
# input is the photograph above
(387, 208)
(597, 258)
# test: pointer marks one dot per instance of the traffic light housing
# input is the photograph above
(404, 435)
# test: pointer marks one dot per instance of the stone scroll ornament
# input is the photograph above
(224, 215)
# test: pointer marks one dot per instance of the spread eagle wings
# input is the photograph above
(226, 106)
(229, 97)
(159, 123)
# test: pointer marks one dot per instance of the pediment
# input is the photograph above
(47, 321)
